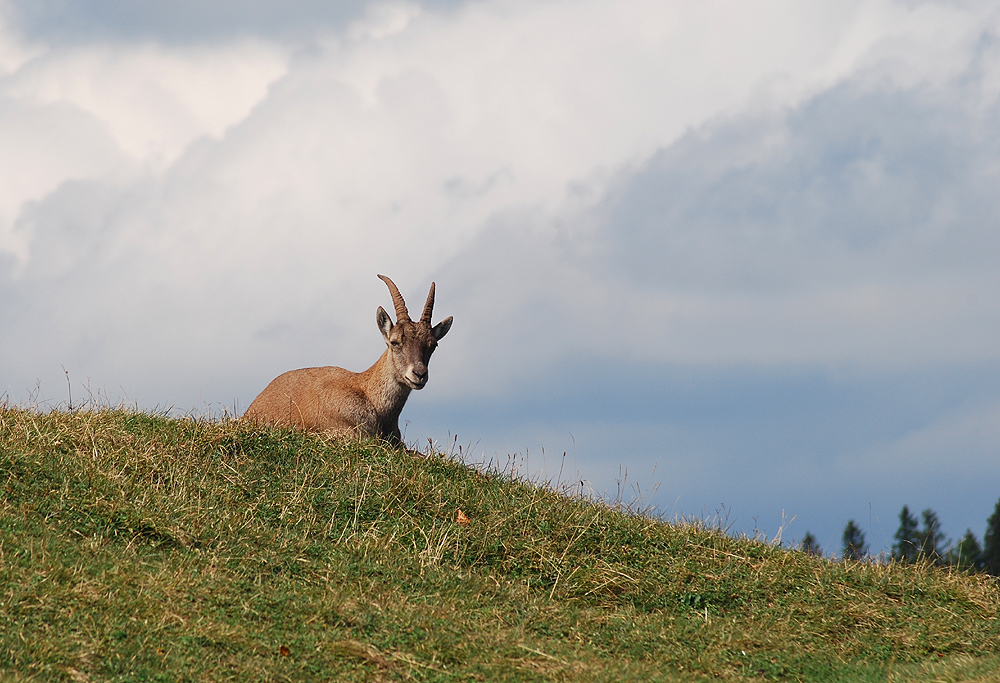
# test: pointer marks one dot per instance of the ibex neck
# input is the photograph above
(386, 391)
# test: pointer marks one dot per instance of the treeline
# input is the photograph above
(923, 541)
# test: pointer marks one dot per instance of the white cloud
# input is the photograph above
(154, 101)
(43, 146)
(113, 112)
(14, 49)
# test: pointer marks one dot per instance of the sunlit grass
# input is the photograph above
(138, 547)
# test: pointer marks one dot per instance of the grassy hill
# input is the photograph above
(135, 547)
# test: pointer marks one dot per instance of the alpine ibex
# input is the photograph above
(365, 403)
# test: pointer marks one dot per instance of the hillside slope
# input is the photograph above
(137, 547)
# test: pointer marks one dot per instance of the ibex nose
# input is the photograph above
(420, 374)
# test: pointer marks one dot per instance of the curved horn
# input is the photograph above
(428, 307)
(397, 299)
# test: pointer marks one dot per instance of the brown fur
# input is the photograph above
(332, 399)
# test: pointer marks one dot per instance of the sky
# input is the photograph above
(737, 260)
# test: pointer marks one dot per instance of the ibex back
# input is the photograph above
(364, 403)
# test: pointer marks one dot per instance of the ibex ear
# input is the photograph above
(442, 328)
(384, 323)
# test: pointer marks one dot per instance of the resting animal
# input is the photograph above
(364, 403)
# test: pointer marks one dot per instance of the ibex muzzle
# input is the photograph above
(364, 403)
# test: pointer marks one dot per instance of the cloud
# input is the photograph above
(154, 101)
(44, 145)
(114, 114)
(857, 227)
(176, 22)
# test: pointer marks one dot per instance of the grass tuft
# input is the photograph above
(141, 547)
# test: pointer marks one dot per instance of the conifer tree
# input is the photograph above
(991, 543)
(853, 542)
(932, 539)
(810, 545)
(966, 555)
(907, 545)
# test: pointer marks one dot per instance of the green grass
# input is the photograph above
(141, 548)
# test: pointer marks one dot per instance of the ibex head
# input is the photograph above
(410, 343)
